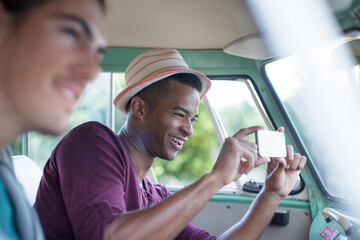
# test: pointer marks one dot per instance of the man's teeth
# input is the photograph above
(68, 93)
(177, 140)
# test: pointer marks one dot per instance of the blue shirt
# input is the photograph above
(17, 220)
(7, 226)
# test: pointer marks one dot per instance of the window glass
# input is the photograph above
(196, 157)
(236, 110)
(92, 106)
(17, 145)
(118, 86)
(325, 112)
(236, 106)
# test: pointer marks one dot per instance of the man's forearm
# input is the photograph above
(166, 219)
(256, 219)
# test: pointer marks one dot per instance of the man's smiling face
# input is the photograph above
(169, 124)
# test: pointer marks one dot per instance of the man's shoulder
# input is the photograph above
(88, 133)
(92, 125)
(89, 141)
(91, 128)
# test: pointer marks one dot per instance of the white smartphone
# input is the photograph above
(270, 143)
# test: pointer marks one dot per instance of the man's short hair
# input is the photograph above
(160, 89)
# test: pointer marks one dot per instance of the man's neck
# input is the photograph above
(140, 158)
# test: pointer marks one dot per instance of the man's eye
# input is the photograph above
(71, 33)
(101, 54)
(179, 114)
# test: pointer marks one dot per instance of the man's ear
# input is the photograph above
(137, 107)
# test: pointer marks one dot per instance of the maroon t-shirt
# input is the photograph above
(88, 180)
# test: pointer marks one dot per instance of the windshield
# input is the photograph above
(326, 114)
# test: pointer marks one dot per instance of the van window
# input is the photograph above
(94, 105)
(234, 105)
(325, 113)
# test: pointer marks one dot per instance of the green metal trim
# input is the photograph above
(209, 62)
(345, 18)
(117, 59)
(247, 200)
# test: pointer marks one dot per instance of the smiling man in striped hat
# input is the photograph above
(95, 184)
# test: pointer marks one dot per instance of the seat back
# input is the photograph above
(28, 174)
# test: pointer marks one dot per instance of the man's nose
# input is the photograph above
(187, 127)
(88, 65)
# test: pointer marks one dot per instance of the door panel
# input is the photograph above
(217, 217)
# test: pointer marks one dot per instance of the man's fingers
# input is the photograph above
(295, 163)
(301, 163)
(289, 155)
(261, 160)
(249, 145)
(246, 131)
(281, 129)
(247, 161)
(279, 168)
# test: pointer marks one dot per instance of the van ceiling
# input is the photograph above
(183, 24)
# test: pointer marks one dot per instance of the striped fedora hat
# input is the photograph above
(150, 67)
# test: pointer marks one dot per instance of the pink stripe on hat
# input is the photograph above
(162, 70)
(148, 67)
(131, 67)
(152, 66)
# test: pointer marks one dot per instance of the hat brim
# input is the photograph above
(124, 96)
